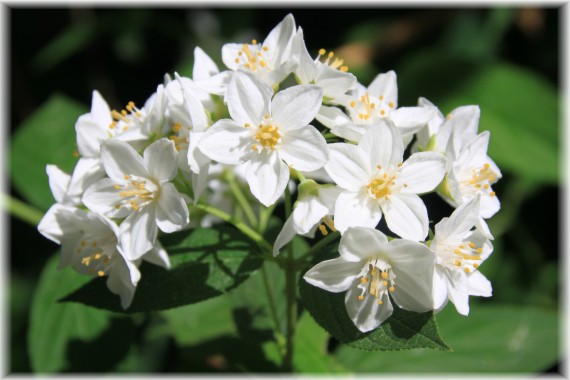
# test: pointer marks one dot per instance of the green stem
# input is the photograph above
(290, 286)
(321, 244)
(272, 307)
(22, 210)
(248, 231)
(264, 216)
(240, 197)
(300, 175)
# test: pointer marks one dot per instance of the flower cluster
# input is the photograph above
(145, 169)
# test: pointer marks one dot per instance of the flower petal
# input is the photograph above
(295, 107)
(334, 275)
(422, 172)
(410, 120)
(120, 281)
(457, 289)
(267, 176)
(385, 85)
(193, 107)
(304, 149)
(171, 211)
(225, 142)
(413, 292)
(308, 213)
(102, 197)
(332, 117)
(460, 222)
(360, 243)
(279, 41)
(366, 314)
(161, 160)
(479, 285)
(248, 98)
(138, 233)
(92, 128)
(489, 206)
(87, 171)
(286, 234)
(383, 145)
(406, 216)
(354, 209)
(409, 256)
(158, 256)
(60, 221)
(120, 159)
(464, 122)
(348, 166)
(204, 66)
(58, 182)
(229, 54)
(439, 289)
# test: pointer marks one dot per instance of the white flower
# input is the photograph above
(460, 251)
(374, 270)
(375, 180)
(368, 106)
(89, 245)
(59, 183)
(472, 172)
(271, 61)
(329, 74)
(314, 208)
(267, 134)
(139, 190)
(206, 81)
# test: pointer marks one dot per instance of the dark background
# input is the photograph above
(124, 53)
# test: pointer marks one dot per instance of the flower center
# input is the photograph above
(335, 64)
(327, 221)
(481, 180)
(123, 120)
(465, 255)
(136, 193)
(95, 257)
(253, 57)
(267, 137)
(377, 282)
(366, 108)
(383, 184)
(180, 137)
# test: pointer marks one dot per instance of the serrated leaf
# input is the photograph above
(493, 339)
(205, 263)
(54, 325)
(402, 331)
(47, 137)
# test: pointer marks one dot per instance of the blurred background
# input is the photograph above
(507, 60)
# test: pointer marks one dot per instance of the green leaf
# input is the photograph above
(518, 107)
(53, 326)
(310, 355)
(205, 263)
(47, 137)
(199, 322)
(493, 339)
(403, 330)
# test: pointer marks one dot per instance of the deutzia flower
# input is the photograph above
(375, 180)
(373, 270)
(139, 190)
(368, 106)
(59, 183)
(271, 61)
(89, 245)
(267, 134)
(330, 74)
(472, 172)
(314, 208)
(460, 251)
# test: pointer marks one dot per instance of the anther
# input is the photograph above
(391, 105)
(100, 273)
(492, 193)
(265, 48)
(391, 288)
(353, 104)
(360, 297)
(322, 52)
(379, 302)
(254, 42)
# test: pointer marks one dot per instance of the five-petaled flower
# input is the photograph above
(373, 270)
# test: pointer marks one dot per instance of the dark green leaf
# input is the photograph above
(493, 339)
(403, 330)
(47, 137)
(205, 263)
(54, 325)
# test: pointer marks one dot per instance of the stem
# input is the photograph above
(240, 226)
(272, 307)
(321, 244)
(240, 197)
(290, 274)
(264, 216)
(300, 175)
(22, 210)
